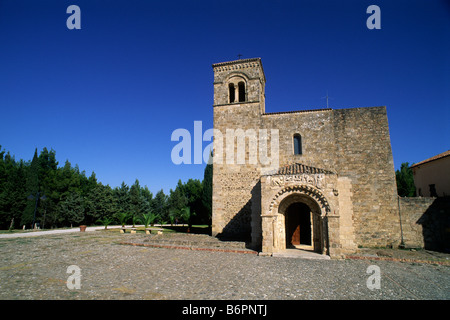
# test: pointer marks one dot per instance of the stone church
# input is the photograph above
(333, 187)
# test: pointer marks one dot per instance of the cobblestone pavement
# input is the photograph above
(36, 268)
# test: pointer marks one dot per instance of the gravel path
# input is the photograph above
(35, 233)
(36, 268)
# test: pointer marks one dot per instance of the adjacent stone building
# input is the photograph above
(319, 179)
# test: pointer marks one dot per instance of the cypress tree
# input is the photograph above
(405, 181)
(32, 189)
(207, 190)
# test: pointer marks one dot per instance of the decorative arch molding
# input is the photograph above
(237, 83)
(239, 75)
(303, 193)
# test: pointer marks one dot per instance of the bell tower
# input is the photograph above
(239, 102)
(239, 82)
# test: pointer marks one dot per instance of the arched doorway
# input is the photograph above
(278, 223)
(302, 223)
(299, 223)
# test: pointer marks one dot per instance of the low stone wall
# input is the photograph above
(425, 222)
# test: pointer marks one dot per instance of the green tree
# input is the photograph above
(138, 201)
(48, 167)
(122, 217)
(71, 209)
(147, 198)
(12, 190)
(405, 181)
(187, 215)
(177, 199)
(207, 191)
(100, 203)
(122, 196)
(193, 190)
(105, 221)
(148, 219)
(32, 188)
(159, 204)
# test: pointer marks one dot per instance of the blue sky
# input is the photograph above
(107, 97)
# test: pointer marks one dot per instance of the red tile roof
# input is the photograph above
(297, 168)
(439, 156)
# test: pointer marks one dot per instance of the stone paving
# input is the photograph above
(36, 268)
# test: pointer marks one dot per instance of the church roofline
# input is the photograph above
(235, 61)
(297, 111)
(436, 157)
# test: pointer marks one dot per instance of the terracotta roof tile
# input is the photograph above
(439, 156)
(297, 168)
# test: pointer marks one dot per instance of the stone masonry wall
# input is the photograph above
(426, 222)
(315, 128)
(355, 144)
(364, 155)
(233, 184)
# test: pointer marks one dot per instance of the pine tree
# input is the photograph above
(159, 204)
(71, 209)
(193, 190)
(147, 196)
(137, 204)
(47, 173)
(122, 197)
(99, 204)
(32, 190)
(12, 191)
(177, 199)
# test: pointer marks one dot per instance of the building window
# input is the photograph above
(241, 86)
(297, 144)
(231, 92)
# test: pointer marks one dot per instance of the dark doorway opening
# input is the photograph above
(298, 225)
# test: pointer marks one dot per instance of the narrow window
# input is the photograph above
(297, 144)
(241, 86)
(231, 92)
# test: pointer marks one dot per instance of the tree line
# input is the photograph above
(405, 181)
(39, 192)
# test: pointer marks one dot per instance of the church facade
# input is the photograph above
(324, 181)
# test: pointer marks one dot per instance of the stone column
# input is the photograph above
(332, 226)
(267, 234)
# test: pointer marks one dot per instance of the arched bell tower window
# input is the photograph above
(297, 144)
(241, 86)
(237, 89)
(231, 92)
